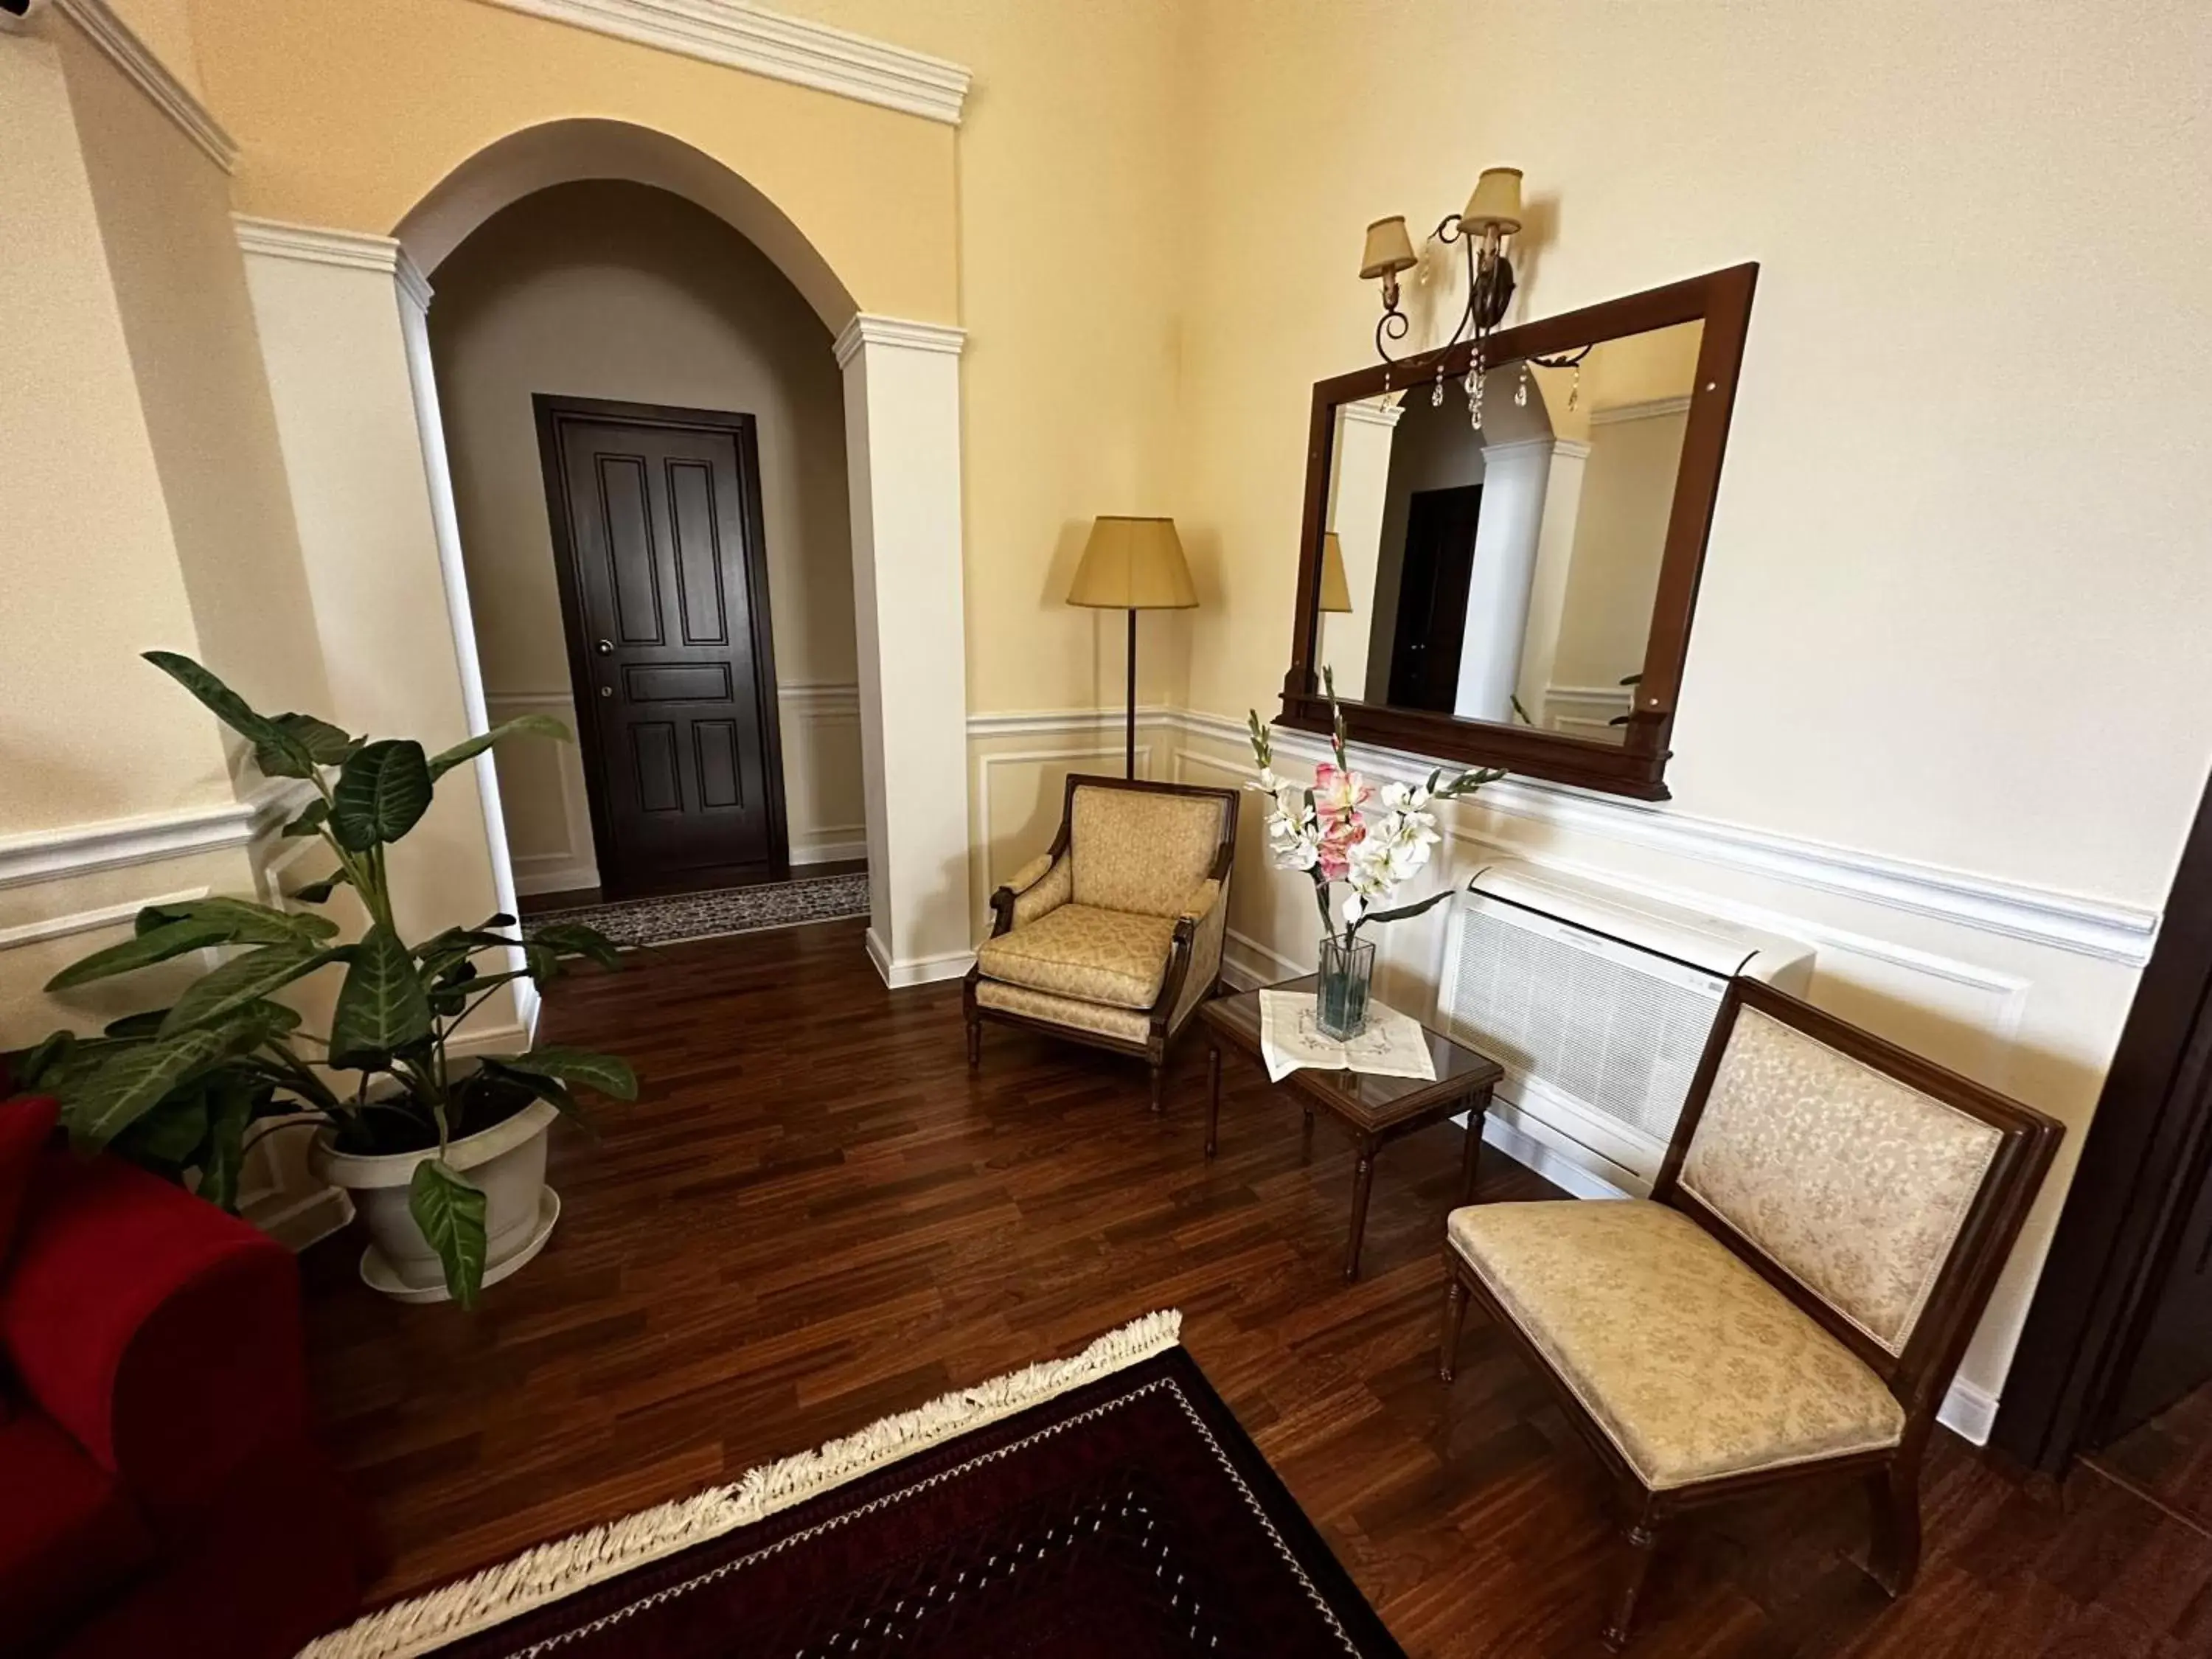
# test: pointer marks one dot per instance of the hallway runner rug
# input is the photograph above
(1104, 1506)
(712, 914)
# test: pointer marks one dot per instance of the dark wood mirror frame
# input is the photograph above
(1638, 765)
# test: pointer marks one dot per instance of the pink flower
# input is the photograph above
(1340, 831)
(1337, 791)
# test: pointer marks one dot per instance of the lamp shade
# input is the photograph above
(1496, 203)
(1335, 591)
(1134, 564)
(1389, 250)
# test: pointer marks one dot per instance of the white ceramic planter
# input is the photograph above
(507, 1160)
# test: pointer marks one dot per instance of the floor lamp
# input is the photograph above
(1132, 565)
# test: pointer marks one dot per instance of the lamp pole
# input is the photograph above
(1129, 747)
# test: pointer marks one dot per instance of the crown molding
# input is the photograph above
(112, 36)
(1644, 412)
(871, 330)
(740, 36)
(1373, 411)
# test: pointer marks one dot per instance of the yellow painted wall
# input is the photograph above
(180, 285)
(90, 570)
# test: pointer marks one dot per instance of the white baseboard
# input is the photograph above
(1968, 1412)
(916, 970)
(852, 845)
(532, 878)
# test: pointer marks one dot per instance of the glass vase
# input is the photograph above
(1340, 998)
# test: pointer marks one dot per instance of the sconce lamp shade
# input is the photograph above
(1496, 203)
(1335, 591)
(1389, 250)
(1134, 564)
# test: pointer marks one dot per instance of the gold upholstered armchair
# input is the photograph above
(1113, 938)
(1790, 1303)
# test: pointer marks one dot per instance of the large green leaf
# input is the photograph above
(249, 923)
(382, 791)
(46, 1057)
(571, 939)
(277, 751)
(326, 742)
(310, 819)
(382, 1005)
(168, 1132)
(450, 1213)
(157, 945)
(232, 1101)
(602, 1071)
(536, 726)
(244, 980)
(101, 1103)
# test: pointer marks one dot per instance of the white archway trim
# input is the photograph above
(865, 330)
(761, 42)
(590, 147)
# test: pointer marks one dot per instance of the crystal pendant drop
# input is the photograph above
(1520, 389)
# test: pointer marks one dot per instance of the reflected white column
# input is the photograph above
(1514, 481)
(1359, 483)
(1547, 588)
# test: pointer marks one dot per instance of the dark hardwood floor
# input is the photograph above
(2168, 1459)
(816, 1215)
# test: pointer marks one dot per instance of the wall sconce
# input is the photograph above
(1492, 213)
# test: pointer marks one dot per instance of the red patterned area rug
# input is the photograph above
(1105, 1506)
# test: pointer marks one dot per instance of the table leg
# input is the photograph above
(1477, 1110)
(1363, 1179)
(1212, 1095)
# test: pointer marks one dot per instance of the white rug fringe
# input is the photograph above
(550, 1571)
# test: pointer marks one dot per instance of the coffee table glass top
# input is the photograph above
(1460, 1070)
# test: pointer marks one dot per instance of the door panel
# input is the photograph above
(1438, 567)
(657, 522)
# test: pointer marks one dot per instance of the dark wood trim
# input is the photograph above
(1164, 1027)
(1918, 1376)
(1636, 765)
(549, 412)
(2141, 1164)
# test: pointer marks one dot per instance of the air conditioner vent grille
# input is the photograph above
(1617, 1030)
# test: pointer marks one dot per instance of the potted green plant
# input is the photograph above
(446, 1156)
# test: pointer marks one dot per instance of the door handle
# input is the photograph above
(604, 647)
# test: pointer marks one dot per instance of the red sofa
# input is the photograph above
(160, 1494)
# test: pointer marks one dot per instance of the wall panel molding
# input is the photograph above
(751, 38)
(123, 48)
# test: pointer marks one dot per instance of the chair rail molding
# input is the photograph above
(112, 843)
(2107, 929)
(114, 37)
(740, 36)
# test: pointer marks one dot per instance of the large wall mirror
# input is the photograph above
(1518, 592)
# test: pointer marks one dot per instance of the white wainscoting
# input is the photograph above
(542, 799)
(825, 797)
(1585, 710)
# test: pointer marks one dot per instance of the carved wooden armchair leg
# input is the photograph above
(1640, 1540)
(1893, 1493)
(1455, 1318)
(975, 1040)
(1159, 1078)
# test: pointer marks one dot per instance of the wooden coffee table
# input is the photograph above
(1374, 1110)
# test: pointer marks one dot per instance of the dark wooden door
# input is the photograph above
(663, 581)
(2176, 1356)
(1432, 597)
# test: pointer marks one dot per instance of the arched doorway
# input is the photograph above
(357, 398)
(699, 641)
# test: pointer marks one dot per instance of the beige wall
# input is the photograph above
(164, 210)
(1954, 542)
(90, 732)
(615, 291)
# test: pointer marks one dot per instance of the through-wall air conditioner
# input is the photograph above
(1597, 1002)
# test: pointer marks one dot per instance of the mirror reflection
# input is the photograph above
(1508, 574)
